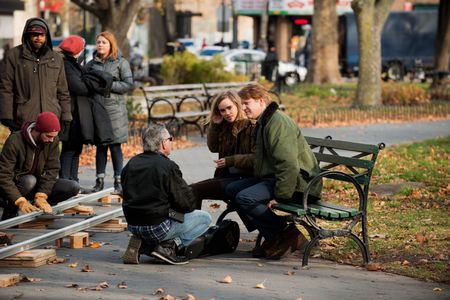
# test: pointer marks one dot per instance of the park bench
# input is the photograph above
(184, 104)
(344, 162)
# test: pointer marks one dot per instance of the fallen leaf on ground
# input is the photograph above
(100, 286)
(260, 265)
(190, 297)
(73, 285)
(437, 289)
(377, 235)
(57, 260)
(122, 285)
(87, 268)
(373, 266)
(421, 239)
(95, 245)
(214, 205)
(406, 263)
(226, 279)
(29, 279)
(260, 286)
(289, 273)
(74, 265)
(167, 297)
(158, 291)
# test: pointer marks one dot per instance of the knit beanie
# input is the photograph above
(37, 26)
(47, 122)
(73, 44)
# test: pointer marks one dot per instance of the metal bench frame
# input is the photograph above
(357, 161)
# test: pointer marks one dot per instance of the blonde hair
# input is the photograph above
(256, 92)
(234, 97)
(114, 51)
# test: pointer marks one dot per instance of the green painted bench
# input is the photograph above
(340, 161)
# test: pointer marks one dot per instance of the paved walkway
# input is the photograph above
(324, 280)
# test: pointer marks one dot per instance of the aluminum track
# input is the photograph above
(58, 233)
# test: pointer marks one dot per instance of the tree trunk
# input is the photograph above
(114, 16)
(264, 26)
(157, 37)
(324, 62)
(171, 19)
(438, 89)
(370, 18)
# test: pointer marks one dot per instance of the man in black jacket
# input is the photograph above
(158, 204)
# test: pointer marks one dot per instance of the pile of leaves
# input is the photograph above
(408, 230)
(132, 148)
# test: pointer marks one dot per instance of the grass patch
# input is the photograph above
(409, 230)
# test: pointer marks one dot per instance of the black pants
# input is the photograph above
(70, 160)
(63, 189)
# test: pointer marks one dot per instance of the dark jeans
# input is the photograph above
(63, 189)
(251, 196)
(101, 157)
(70, 160)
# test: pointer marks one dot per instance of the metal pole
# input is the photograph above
(223, 20)
(56, 209)
(59, 233)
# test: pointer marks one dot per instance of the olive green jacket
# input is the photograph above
(283, 153)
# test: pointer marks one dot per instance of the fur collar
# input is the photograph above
(268, 113)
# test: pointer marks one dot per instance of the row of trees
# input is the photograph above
(117, 16)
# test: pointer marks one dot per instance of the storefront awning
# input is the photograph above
(8, 7)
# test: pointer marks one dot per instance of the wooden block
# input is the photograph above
(80, 210)
(79, 240)
(76, 240)
(10, 279)
(37, 224)
(109, 199)
(29, 258)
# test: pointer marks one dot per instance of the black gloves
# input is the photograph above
(11, 124)
(65, 131)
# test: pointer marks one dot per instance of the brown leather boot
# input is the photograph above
(289, 239)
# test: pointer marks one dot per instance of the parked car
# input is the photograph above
(209, 51)
(248, 62)
(189, 45)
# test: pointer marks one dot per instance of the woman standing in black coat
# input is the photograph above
(83, 129)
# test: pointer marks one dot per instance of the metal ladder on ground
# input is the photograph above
(61, 232)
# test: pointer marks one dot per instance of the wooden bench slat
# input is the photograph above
(291, 208)
(342, 160)
(351, 211)
(342, 145)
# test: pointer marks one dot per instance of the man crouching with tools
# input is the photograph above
(158, 204)
(29, 165)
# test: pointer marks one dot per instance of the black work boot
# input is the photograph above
(117, 186)
(132, 254)
(99, 184)
(167, 251)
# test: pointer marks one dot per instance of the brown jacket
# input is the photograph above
(16, 160)
(234, 142)
(33, 83)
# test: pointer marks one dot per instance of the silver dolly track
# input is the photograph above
(58, 233)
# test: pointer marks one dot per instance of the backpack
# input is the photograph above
(221, 238)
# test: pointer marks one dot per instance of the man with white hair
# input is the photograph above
(158, 204)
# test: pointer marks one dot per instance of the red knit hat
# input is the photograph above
(47, 122)
(72, 44)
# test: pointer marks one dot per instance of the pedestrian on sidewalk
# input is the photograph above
(29, 165)
(284, 164)
(230, 135)
(107, 57)
(158, 204)
(86, 113)
(33, 80)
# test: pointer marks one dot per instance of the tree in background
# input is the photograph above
(438, 88)
(114, 16)
(324, 61)
(162, 26)
(370, 18)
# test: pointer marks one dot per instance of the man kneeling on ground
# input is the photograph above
(158, 204)
(29, 165)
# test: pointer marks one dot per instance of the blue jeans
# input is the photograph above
(251, 196)
(195, 224)
(101, 157)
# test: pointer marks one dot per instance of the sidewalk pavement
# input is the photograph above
(283, 279)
